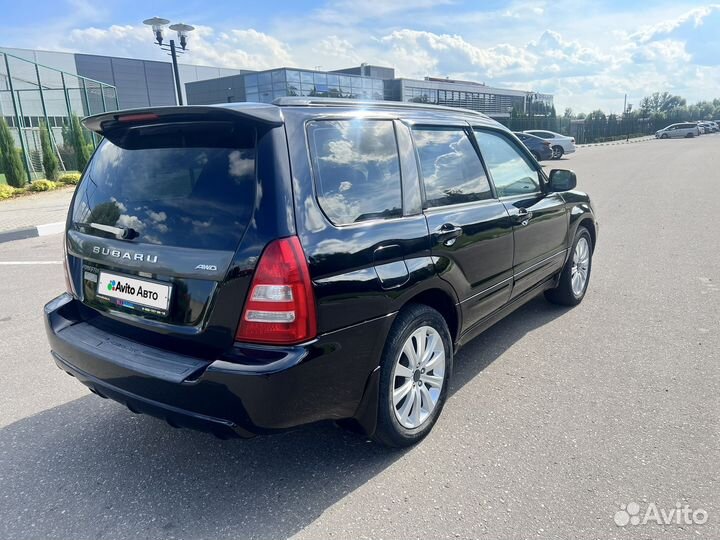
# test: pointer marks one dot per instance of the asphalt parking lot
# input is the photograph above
(557, 416)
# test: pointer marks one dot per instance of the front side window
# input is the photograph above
(451, 169)
(512, 174)
(357, 169)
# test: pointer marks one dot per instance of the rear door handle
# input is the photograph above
(522, 216)
(447, 233)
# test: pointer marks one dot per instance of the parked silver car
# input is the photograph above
(674, 131)
(560, 144)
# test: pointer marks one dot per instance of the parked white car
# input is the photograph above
(674, 131)
(561, 144)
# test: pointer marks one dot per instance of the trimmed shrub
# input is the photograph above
(69, 178)
(42, 185)
(49, 159)
(6, 191)
(82, 152)
(10, 158)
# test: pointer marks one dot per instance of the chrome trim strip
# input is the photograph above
(501, 283)
(489, 289)
(530, 268)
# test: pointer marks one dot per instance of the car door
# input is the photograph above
(540, 221)
(366, 239)
(470, 229)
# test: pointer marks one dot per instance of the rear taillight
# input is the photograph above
(546, 143)
(66, 269)
(280, 307)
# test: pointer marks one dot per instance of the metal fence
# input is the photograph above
(31, 93)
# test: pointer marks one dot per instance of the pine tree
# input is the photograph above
(10, 160)
(82, 153)
(49, 159)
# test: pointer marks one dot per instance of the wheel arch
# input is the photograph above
(589, 224)
(440, 299)
(442, 302)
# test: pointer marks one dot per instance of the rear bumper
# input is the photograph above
(258, 390)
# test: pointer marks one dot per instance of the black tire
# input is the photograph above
(563, 294)
(389, 431)
(664, 136)
(535, 155)
(558, 151)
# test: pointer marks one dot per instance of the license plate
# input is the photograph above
(133, 293)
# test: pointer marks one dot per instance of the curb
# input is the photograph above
(621, 141)
(32, 232)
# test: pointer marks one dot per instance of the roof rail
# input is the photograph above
(346, 102)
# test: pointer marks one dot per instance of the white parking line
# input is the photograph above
(11, 263)
(51, 228)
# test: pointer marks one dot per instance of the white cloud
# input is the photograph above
(587, 54)
(237, 48)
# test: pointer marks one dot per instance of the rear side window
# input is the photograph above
(357, 169)
(186, 185)
(451, 168)
(512, 174)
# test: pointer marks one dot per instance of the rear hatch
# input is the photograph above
(157, 220)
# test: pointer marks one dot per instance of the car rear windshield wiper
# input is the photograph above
(122, 233)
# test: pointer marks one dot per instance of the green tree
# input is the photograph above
(49, 159)
(10, 160)
(82, 153)
(568, 113)
(663, 102)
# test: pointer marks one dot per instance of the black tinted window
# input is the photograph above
(512, 174)
(357, 169)
(451, 169)
(187, 186)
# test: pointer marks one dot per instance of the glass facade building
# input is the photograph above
(495, 102)
(265, 86)
(366, 82)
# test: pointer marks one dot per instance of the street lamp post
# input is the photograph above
(158, 27)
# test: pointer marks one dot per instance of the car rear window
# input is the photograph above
(186, 185)
(357, 169)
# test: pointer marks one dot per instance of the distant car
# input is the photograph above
(675, 131)
(710, 127)
(560, 144)
(701, 128)
(539, 148)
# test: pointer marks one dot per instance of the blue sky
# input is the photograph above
(588, 54)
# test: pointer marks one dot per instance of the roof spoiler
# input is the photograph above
(258, 112)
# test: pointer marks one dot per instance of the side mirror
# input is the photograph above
(562, 180)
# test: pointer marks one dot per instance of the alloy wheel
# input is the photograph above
(580, 266)
(418, 377)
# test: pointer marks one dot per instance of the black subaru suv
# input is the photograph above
(247, 268)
